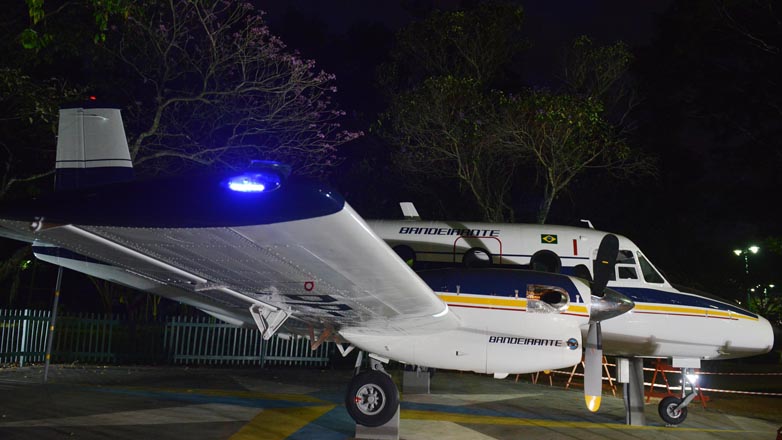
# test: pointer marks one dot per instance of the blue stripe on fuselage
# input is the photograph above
(494, 282)
(504, 282)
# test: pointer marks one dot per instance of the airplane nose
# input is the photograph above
(610, 305)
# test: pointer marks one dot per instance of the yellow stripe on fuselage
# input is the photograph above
(674, 310)
(485, 301)
(500, 302)
(651, 308)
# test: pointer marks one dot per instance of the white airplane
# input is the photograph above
(264, 248)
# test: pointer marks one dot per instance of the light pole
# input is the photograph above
(745, 253)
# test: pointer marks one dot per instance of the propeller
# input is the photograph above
(605, 304)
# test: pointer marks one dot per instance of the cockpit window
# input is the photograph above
(627, 273)
(650, 275)
(625, 257)
(625, 265)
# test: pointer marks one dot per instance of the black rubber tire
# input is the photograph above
(477, 257)
(667, 412)
(372, 398)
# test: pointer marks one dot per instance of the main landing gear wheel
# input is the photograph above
(668, 411)
(372, 398)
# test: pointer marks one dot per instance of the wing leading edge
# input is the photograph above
(300, 248)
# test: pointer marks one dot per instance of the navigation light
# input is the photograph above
(254, 182)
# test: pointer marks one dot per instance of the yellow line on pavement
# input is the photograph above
(279, 423)
(514, 421)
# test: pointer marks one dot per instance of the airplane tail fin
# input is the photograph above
(409, 211)
(92, 148)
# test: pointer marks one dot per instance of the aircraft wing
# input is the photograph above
(300, 248)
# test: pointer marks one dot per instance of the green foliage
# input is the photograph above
(478, 43)
(443, 81)
(767, 305)
(563, 135)
(30, 39)
(102, 12)
(592, 70)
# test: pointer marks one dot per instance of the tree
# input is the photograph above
(442, 114)
(446, 128)
(767, 305)
(28, 125)
(201, 83)
(460, 62)
(39, 34)
(562, 136)
(479, 43)
(215, 88)
(600, 72)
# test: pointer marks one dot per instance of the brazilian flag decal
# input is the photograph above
(548, 238)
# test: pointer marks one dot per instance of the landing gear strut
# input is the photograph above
(372, 398)
(673, 410)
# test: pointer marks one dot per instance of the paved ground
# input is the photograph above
(218, 403)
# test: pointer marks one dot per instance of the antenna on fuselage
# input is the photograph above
(589, 224)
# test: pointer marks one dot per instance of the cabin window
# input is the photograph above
(648, 271)
(546, 299)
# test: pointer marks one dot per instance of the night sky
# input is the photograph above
(711, 113)
(712, 193)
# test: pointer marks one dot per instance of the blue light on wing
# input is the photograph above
(254, 182)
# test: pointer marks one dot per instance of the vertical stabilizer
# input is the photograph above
(409, 211)
(91, 148)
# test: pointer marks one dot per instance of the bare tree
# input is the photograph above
(217, 88)
(447, 128)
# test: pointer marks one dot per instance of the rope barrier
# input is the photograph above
(711, 390)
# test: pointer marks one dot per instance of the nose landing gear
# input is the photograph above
(673, 410)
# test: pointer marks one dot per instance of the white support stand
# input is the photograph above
(389, 431)
(630, 373)
(415, 382)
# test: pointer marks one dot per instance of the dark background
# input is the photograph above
(711, 115)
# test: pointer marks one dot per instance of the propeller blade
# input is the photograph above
(593, 364)
(605, 262)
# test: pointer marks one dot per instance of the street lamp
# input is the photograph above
(745, 252)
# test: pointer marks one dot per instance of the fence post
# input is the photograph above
(23, 348)
(263, 346)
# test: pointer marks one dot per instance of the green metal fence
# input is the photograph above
(93, 338)
(201, 340)
(23, 336)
